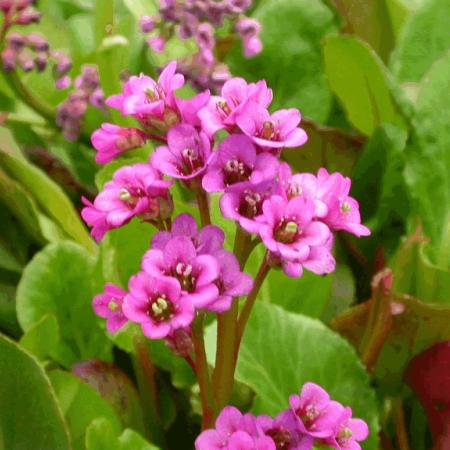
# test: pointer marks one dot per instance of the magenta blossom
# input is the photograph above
(277, 130)
(243, 202)
(343, 211)
(348, 432)
(196, 273)
(108, 304)
(288, 231)
(243, 441)
(147, 100)
(316, 414)
(221, 111)
(186, 155)
(229, 422)
(231, 282)
(208, 240)
(157, 305)
(136, 190)
(111, 140)
(236, 161)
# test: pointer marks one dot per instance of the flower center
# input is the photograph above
(112, 305)
(268, 130)
(223, 108)
(344, 435)
(183, 273)
(294, 190)
(130, 198)
(190, 160)
(160, 309)
(236, 171)
(345, 207)
(287, 231)
(308, 414)
(251, 204)
(281, 437)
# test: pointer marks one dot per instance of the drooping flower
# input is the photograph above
(221, 111)
(272, 131)
(249, 30)
(136, 190)
(196, 273)
(157, 304)
(243, 202)
(186, 155)
(108, 304)
(343, 210)
(317, 415)
(231, 282)
(289, 232)
(111, 140)
(236, 161)
(348, 432)
(208, 240)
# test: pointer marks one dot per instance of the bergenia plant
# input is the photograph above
(187, 274)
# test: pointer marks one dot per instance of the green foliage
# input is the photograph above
(281, 351)
(58, 281)
(31, 416)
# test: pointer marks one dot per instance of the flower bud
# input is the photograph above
(28, 16)
(16, 41)
(63, 82)
(26, 61)
(147, 24)
(9, 58)
(40, 61)
(180, 342)
(37, 42)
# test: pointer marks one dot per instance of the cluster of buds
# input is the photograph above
(311, 419)
(71, 112)
(199, 19)
(32, 51)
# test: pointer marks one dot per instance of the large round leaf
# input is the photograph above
(281, 351)
(30, 416)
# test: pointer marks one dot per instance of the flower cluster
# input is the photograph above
(311, 419)
(30, 52)
(198, 19)
(70, 113)
(185, 270)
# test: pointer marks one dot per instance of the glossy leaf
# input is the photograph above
(31, 416)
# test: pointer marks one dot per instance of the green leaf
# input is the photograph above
(81, 404)
(424, 39)
(49, 196)
(281, 351)
(359, 79)
(101, 435)
(31, 417)
(291, 61)
(58, 281)
(141, 8)
(428, 160)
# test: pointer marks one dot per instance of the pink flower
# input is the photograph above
(243, 441)
(147, 100)
(277, 130)
(236, 161)
(111, 140)
(243, 202)
(208, 240)
(136, 190)
(196, 273)
(108, 304)
(186, 155)
(348, 432)
(316, 414)
(156, 43)
(343, 211)
(289, 232)
(157, 305)
(221, 111)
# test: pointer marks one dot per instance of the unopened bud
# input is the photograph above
(9, 59)
(147, 24)
(41, 61)
(28, 16)
(26, 61)
(16, 41)
(180, 342)
(37, 42)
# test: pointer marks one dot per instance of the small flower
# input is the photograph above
(196, 273)
(108, 304)
(147, 24)
(343, 211)
(136, 190)
(348, 432)
(243, 441)
(231, 282)
(111, 140)
(156, 43)
(206, 241)
(316, 414)
(236, 161)
(277, 130)
(243, 202)
(221, 111)
(157, 305)
(186, 155)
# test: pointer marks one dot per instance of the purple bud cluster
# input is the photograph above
(18, 12)
(199, 19)
(311, 419)
(70, 113)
